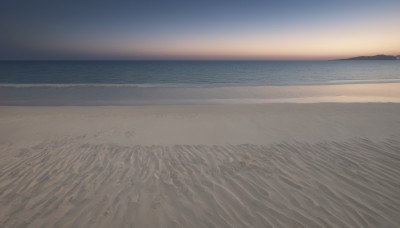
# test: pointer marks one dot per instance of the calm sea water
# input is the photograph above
(197, 73)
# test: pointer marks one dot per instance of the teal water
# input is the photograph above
(197, 73)
(177, 82)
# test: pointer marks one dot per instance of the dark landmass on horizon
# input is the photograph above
(375, 57)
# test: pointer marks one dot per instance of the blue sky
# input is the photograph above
(206, 29)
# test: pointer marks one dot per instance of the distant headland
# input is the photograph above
(375, 57)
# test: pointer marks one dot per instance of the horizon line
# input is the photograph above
(193, 59)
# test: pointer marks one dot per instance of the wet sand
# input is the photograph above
(128, 95)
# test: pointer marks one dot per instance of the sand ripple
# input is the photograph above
(332, 184)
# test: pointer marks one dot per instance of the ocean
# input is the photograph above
(175, 82)
(197, 73)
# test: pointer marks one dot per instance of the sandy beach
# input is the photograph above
(259, 165)
(200, 114)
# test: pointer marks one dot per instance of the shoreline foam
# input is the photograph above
(214, 85)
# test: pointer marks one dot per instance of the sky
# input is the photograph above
(189, 30)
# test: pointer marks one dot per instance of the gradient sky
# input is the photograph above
(207, 29)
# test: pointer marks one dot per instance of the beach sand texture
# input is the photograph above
(274, 165)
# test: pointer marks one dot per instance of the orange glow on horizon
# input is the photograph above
(322, 44)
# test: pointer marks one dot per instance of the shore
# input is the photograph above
(128, 95)
(254, 165)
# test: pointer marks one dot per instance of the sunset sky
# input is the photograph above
(207, 29)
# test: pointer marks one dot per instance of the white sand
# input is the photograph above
(273, 165)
